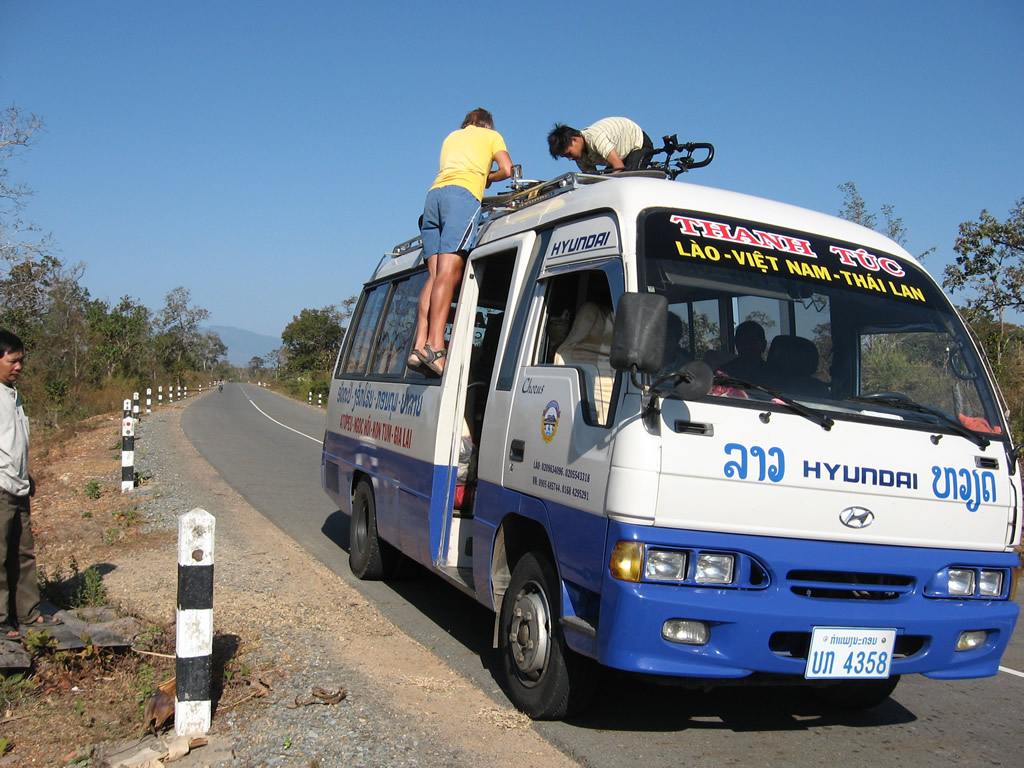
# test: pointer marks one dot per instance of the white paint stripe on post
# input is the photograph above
(194, 631)
(149, 399)
(127, 449)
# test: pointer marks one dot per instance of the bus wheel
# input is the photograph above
(856, 694)
(543, 677)
(368, 556)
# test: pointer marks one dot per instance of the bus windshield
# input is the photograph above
(842, 327)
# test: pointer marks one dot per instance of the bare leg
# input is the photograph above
(423, 309)
(449, 273)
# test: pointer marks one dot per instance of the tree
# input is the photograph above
(25, 255)
(312, 339)
(989, 268)
(120, 337)
(180, 340)
(856, 210)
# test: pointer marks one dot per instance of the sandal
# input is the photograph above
(417, 359)
(430, 360)
(10, 633)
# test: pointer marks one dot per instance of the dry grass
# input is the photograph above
(70, 700)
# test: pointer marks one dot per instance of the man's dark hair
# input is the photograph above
(479, 117)
(10, 343)
(559, 139)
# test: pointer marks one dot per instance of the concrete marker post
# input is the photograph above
(149, 399)
(135, 406)
(160, 395)
(127, 449)
(194, 631)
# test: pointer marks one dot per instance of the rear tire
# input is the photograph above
(856, 694)
(369, 557)
(543, 677)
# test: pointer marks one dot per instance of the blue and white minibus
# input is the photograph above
(608, 466)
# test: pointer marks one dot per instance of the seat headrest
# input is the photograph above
(592, 327)
(793, 355)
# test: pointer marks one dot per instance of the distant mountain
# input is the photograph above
(243, 346)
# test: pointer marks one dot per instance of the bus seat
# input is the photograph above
(792, 363)
(588, 346)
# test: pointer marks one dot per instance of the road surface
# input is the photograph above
(268, 448)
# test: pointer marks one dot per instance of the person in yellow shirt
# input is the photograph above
(448, 226)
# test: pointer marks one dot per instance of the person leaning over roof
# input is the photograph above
(615, 142)
(449, 223)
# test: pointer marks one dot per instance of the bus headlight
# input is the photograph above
(665, 565)
(714, 568)
(961, 582)
(990, 583)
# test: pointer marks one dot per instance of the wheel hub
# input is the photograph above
(530, 633)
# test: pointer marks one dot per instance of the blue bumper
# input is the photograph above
(765, 628)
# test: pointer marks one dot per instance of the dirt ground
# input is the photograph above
(87, 698)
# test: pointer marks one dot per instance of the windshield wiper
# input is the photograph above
(907, 404)
(818, 418)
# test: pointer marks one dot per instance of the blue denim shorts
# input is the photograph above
(449, 220)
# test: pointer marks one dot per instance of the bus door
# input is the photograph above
(558, 440)
(476, 336)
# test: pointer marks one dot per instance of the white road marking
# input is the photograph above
(314, 439)
(1009, 671)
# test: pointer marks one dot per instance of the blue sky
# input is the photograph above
(266, 154)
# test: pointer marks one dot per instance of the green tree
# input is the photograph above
(120, 338)
(312, 339)
(989, 271)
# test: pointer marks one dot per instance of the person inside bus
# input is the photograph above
(674, 355)
(750, 343)
(615, 142)
(449, 225)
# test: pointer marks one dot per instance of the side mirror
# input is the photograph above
(638, 340)
(694, 380)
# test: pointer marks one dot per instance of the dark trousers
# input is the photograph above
(640, 158)
(19, 589)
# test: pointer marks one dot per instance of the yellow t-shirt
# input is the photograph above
(466, 158)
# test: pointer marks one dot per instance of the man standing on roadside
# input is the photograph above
(19, 589)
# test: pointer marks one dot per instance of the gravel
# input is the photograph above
(362, 730)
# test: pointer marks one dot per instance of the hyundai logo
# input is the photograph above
(856, 517)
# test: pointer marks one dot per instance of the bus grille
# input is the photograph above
(844, 585)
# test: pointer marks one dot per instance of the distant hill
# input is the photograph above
(243, 345)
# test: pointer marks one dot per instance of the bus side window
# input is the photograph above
(586, 299)
(363, 331)
(399, 326)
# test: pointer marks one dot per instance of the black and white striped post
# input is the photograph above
(194, 636)
(127, 448)
(135, 405)
(149, 399)
(160, 395)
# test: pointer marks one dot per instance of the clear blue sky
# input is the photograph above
(265, 154)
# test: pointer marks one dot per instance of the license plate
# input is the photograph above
(849, 652)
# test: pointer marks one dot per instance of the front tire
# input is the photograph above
(369, 557)
(543, 677)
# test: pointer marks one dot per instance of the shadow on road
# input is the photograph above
(624, 702)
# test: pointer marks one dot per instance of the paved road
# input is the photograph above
(268, 449)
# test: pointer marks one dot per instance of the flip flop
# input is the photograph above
(41, 622)
(10, 633)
